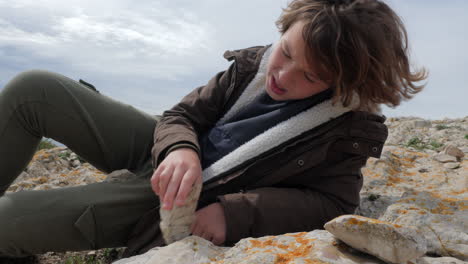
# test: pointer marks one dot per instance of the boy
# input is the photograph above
(287, 176)
(278, 139)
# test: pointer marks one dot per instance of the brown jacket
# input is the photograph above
(296, 186)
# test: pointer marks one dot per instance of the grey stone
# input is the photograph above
(75, 163)
(442, 260)
(422, 123)
(441, 219)
(453, 151)
(387, 241)
(452, 165)
(441, 157)
(120, 176)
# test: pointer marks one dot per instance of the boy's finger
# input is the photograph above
(194, 227)
(207, 235)
(186, 185)
(197, 231)
(155, 182)
(158, 171)
(173, 188)
(218, 241)
(164, 179)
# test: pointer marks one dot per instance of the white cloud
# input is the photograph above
(149, 45)
(124, 41)
(11, 35)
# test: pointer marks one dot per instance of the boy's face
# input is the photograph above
(289, 75)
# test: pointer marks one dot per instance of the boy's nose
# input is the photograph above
(285, 75)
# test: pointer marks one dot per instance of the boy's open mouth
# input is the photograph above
(274, 87)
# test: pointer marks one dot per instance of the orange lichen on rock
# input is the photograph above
(261, 244)
(447, 199)
(409, 174)
(458, 192)
(368, 173)
(395, 179)
(363, 220)
(354, 221)
(300, 249)
(442, 209)
(310, 261)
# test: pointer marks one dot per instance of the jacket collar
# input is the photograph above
(277, 135)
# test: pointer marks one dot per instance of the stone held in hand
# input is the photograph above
(389, 242)
(175, 224)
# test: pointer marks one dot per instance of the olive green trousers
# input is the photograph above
(108, 134)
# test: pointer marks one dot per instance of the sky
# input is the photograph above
(150, 53)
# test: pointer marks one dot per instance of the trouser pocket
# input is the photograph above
(86, 224)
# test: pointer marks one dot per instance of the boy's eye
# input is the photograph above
(285, 54)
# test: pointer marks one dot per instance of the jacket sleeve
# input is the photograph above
(194, 114)
(279, 210)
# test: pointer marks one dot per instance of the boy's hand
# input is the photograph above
(210, 223)
(175, 176)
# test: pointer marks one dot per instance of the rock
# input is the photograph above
(422, 123)
(443, 260)
(453, 151)
(175, 224)
(24, 175)
(452, 165)
(318, 246)
(75, 163)
(440, 217)
(374, 205)
(441, 157)
(120, 176)
(37, 169)
(191, 250)
(387, 241)
(43, 187)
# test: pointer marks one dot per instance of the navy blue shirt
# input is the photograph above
(254, 119)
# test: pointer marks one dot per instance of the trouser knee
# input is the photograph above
(29, 85)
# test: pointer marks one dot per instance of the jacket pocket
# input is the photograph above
(86, 224)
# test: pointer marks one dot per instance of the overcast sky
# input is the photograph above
(151, 53)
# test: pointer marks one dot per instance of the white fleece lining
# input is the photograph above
(277, 134)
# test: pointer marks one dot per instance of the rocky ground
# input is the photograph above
(419, 184)
(56, 168)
